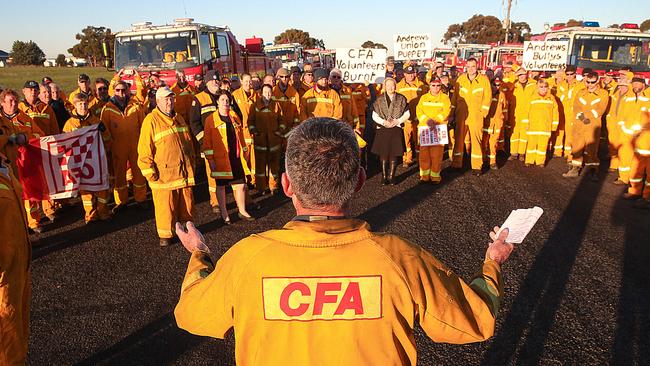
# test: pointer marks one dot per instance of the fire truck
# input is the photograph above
(289, 54)
(601, 49)
(318, 57)
(189, 46)
(490, 56)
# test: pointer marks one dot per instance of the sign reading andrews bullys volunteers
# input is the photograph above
(412, 46)
(361, 64)
(545, 55)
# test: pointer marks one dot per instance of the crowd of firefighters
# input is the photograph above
(156, 135)
(526, 115)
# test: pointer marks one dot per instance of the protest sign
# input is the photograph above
(545, 55)
(433, 136)
(412, 46)
(361, 64)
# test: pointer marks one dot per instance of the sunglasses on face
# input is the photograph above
(592, 81)
(335, 77)
(120, 90)
(283, 77)
(102, 88)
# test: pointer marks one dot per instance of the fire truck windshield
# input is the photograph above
(160, 50)
(604, 52)
(283, 53)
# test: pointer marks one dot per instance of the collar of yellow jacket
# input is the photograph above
(321, 234)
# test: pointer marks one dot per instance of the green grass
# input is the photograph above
(66, 77)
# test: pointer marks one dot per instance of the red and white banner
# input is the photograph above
(59, 166)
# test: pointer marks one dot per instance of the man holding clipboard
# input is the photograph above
(432, 112)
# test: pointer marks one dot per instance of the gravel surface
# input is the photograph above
(576, 290)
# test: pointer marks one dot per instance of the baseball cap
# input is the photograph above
(31, 84)
(282, 72)
(638, 79)
(336, 72)
(163, 92)
(435, 80)
(212, 75)
(47, 80)
(521, 71)
(295, 69)
(320, 73)
(410, 69)
(83, 77)
(198, 77)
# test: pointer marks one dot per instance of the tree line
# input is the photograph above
(477, 29)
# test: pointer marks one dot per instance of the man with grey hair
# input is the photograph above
(325, 289)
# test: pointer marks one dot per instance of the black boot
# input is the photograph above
(391, 173)
(384, 172)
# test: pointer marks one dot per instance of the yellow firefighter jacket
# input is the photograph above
(15, 258)
(541, 114)
(289, 102)
(42, 115)
(325, 103)
(332, 292)
(215, 144)
(165, 151)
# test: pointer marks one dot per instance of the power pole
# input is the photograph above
(506, 22)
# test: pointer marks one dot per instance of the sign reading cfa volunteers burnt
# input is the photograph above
(412, 46)
(545, 55)
(359, 65)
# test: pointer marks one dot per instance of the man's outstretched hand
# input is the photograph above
(191, 238)
(498, 250)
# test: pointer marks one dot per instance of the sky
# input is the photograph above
(339, 23)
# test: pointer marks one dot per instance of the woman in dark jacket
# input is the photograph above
(389, 112)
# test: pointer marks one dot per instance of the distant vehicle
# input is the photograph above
(601, 49)
(290, 54)
(189, 46)
(318, 57)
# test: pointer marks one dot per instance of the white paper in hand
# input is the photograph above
(520, 222)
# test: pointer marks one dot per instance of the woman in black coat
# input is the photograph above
(389, 112)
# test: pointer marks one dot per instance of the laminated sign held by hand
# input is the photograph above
(520, 222)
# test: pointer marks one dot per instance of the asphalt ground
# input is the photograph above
(576, 290)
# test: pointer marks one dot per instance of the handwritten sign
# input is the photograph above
(361, 64)
(434, 136)
(545, 55)
(412, 46)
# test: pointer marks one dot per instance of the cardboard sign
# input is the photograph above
(361, 64)
(545, 55)
(412, 46)
(434, 136)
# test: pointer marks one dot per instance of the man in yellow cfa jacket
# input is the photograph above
(123, 117)
(541, 116)
(15, 257)
(320, 100)
(300, 300)
(166, 159)
(412, 88)
(432, 109)
(471, 100)
(588, 109)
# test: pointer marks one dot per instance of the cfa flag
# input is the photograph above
(59, 166)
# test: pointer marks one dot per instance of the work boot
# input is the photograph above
(118, 208)
(165, 242)
(494, 166)
(574, 172)
(619, 182)
(522, 157)
(391, 173)
(593, 175)
(384, 172)
(477, 172)
(513, 157)
(146, 206)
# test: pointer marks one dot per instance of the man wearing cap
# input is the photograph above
(166, 159)
(472, 99)
(199, 85)
(307, 82)
(617, 100)
(433, 109)
(321, 100)
(123, 117)
(296, 79)
(412, 89)
(350, 111)
(631, 123)
(184, 93)
(589, 107)
(44, 117)
(288, 98)
(523, 91)
(40, 112)
(203, 105)
(83, 83)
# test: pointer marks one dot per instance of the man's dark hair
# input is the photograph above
(322, 161)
